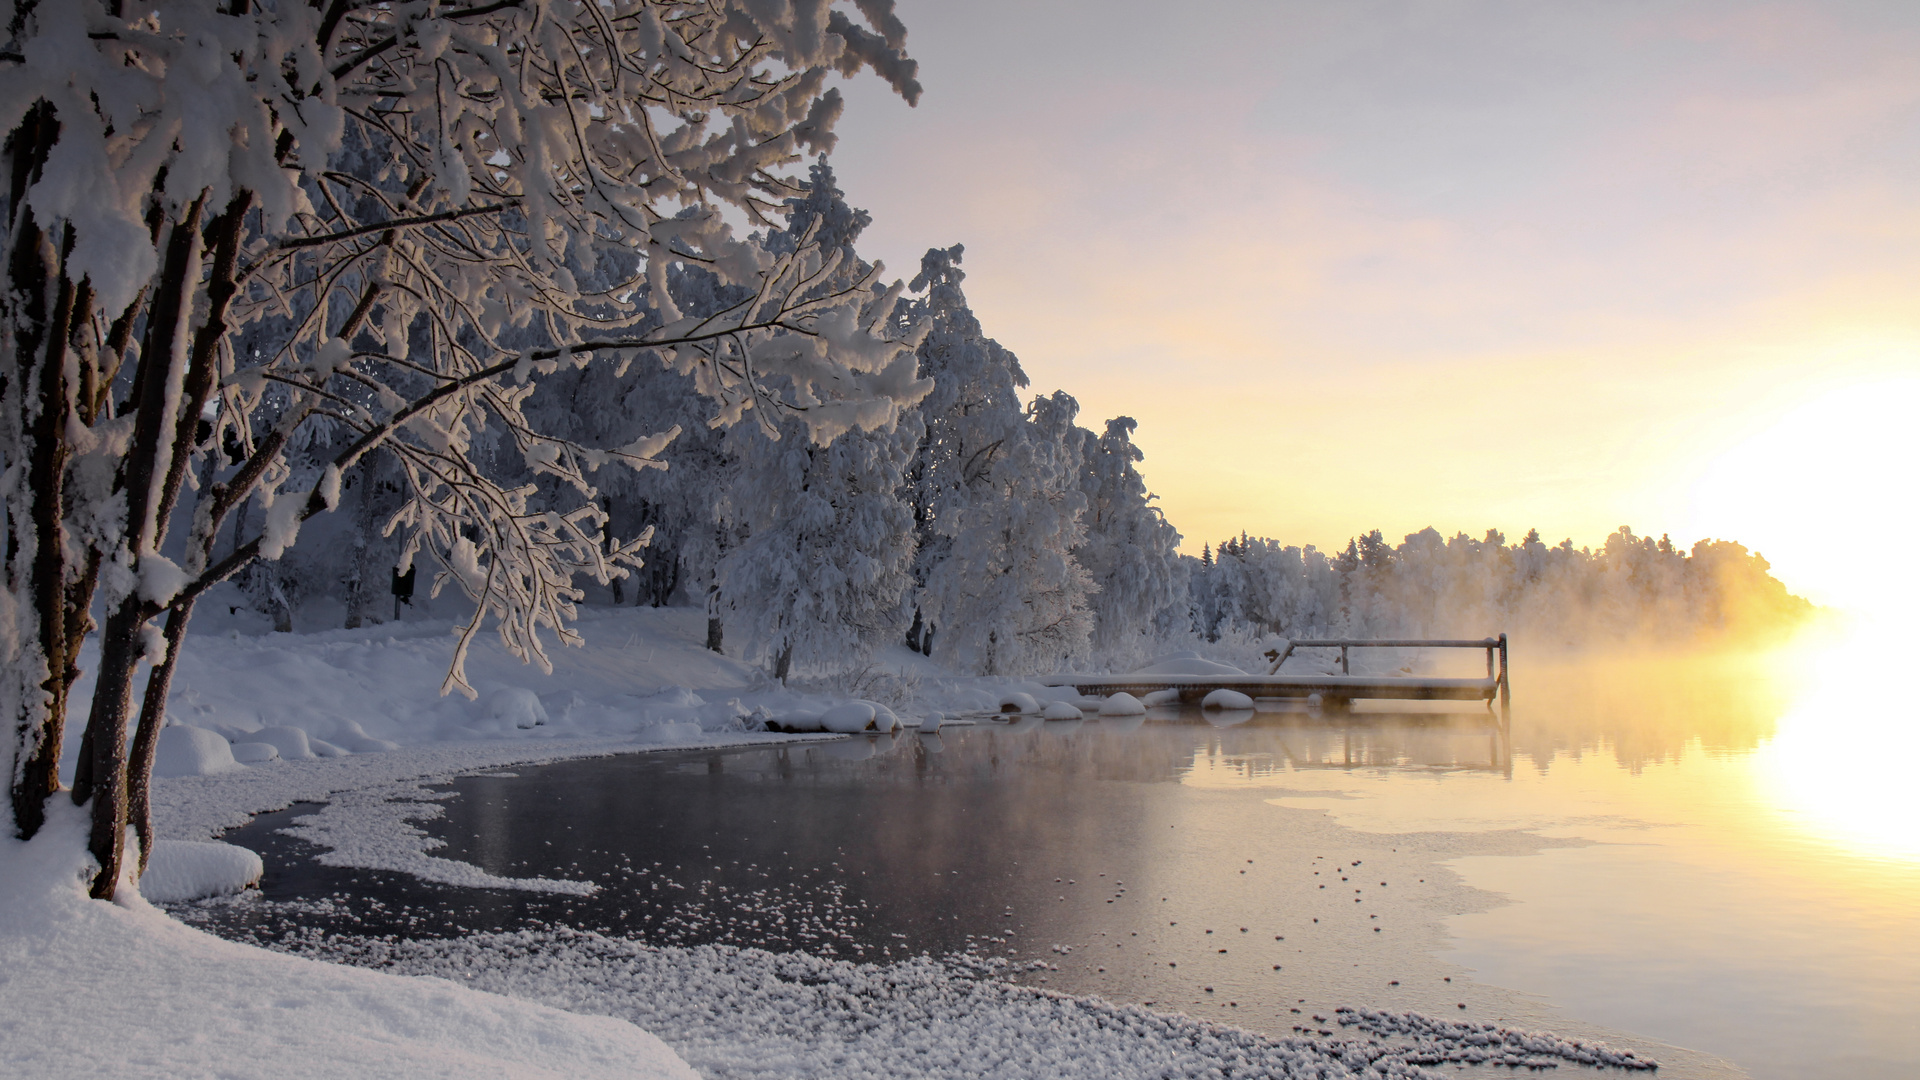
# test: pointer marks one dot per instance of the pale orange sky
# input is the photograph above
(1468, 264)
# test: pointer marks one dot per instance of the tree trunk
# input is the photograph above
(158, 441)
(146, 738)
(101, 775)
(784, 662)
(38, 775)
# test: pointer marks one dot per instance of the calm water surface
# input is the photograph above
(1720, 855)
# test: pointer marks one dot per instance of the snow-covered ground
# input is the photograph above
(354, 721)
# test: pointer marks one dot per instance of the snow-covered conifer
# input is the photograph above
(971, 419)
(1129, 550)
(1009, 597)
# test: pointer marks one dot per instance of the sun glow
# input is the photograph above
(1827, 494)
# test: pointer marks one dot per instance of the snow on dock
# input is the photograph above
(1334, 691)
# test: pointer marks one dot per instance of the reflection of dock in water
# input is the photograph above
(1308, 739)
(1336, 693)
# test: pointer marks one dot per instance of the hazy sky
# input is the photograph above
(1462, 264)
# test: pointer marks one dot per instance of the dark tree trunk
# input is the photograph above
(32, 273)
(146, 738)
(102, 772)
(784, 662)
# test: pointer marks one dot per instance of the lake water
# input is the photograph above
(1715, 861)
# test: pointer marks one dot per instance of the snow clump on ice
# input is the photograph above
(1061, 710)
(193, 870)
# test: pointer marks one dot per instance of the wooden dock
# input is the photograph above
(1336, 692)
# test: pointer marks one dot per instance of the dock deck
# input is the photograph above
(1335, 691)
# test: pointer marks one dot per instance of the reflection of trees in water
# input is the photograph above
(1646, 709)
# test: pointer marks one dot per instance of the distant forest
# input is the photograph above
(1633, 589)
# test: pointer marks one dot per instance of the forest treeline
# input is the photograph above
(996, 536)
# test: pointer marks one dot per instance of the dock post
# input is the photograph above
(1505, 689)
(1343, 661)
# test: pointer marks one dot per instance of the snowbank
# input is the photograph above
(163, 1000)
(192, 870)
(192, 751)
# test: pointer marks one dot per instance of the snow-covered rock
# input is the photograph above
(1060, 710)
(192, 870)
(1013, 701)
(192, 751)
(1226, 699)
(1161, 697)
(884, 718)
(253, 752)
(931, 722)
(848, 717)
(1122, 704)
(517, 706)
(292, 742)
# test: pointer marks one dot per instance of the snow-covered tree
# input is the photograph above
(824, 566)
(1130, 550)
(1633, 590)
(1009, 598)
(971, 420)
(229, 224)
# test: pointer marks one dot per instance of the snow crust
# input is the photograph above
(739, 1013)
(160, 999)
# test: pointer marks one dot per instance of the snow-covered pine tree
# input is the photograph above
(824, 566)
(971, 420)
(1130, 550)
(1009, 598)
(490, 183)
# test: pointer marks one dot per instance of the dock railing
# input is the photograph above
(1492, 645)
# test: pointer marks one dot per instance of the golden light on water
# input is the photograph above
(1840, 766)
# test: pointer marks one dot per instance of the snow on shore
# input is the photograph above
(736, 1014)
(91, 989)
(177, 1002)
